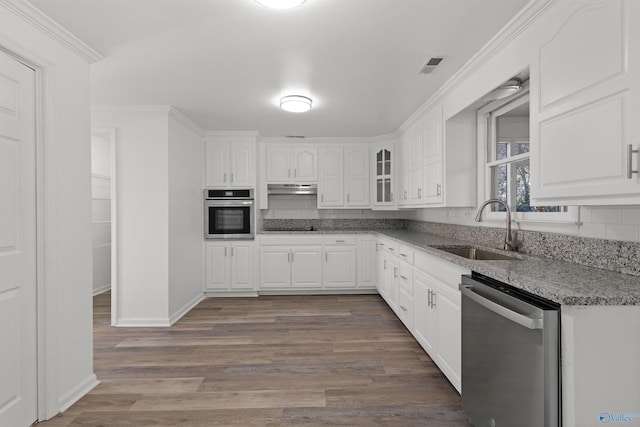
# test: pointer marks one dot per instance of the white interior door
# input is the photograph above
(18, 376)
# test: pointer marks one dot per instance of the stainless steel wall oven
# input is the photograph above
(228, 214)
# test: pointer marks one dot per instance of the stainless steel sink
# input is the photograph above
(478, 254)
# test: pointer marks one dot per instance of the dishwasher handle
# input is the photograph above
(521, 319)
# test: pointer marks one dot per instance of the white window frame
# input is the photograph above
(486, 118)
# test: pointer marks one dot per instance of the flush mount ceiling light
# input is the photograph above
(281, 4)
(295, 103)
(509, 88)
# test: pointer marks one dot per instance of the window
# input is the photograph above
(504, 138)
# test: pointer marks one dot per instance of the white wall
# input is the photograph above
(159, 214)
(101, 207)
(142, 295)
(65, 297)
(185, 217)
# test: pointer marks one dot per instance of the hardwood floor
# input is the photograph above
(267, 361)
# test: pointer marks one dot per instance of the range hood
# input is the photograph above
(292, 189)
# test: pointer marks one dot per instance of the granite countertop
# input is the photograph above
(562, 282)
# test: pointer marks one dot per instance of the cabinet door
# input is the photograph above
(415, 186)
(340, 267)
(306, 267)
(218, 276)
(447, 305)
(305, 165)
(405, 308)
(217, 164)
(242, 164)
(423, 316)
(241, 266)
(383, 170)
(331, 181)
(392, 273)
(357, 176)
(584, 112)
(366, 262)
(432, 143)
(381, 270)
(279, 164)
(275, 267)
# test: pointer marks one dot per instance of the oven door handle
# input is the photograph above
(520, 319)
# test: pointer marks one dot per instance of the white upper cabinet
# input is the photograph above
(291, 164)
(585, 105)
(382, 158)
(331, 182)
(432, 157)
(356, 177)
(411, 166)
(344, 177)
(230, 162)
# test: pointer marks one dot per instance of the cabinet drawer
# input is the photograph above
(291, 240)
(406, 254)
(339, 240)
(405, 277)
(391, 247)
(405, 308)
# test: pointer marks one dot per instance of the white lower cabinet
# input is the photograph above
(229, 266)
(339, 267)
(366, 254)
(423, 291)
(285, 267)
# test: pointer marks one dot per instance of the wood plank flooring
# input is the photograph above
(267, 361)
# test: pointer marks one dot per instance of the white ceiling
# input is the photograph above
(225, 63)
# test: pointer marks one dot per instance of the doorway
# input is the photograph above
(103, 212)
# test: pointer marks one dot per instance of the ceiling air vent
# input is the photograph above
(430, 65)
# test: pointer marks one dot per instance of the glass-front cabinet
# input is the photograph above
(383, 178)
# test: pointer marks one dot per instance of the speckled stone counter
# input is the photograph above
(558, 281)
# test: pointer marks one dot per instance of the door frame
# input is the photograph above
(46, 313)
(109, 134)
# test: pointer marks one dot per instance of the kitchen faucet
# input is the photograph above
(509, 242)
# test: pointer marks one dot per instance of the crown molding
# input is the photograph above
(232, 134)
(518, 24)
(178, 115)
(36, 18)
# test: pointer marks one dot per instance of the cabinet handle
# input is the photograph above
(231, 250)
(289, 173)
(419, 193)
(385, 264)
(326, 257)
(433, 299)
(224, 178)
(429, 298)
(403, 308)
(348, 198)
(395, 272)
(630, 153)
(340, 241)
(403, 277)
(293, 257)
(225, 251)
(438, 190)
(381, 244)
(231, 177)
(392, 249)
(405, 194)
(404, 255)
(377, 245)
(295, 173)
(322, 198)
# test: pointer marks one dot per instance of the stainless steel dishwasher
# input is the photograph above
(510, 355)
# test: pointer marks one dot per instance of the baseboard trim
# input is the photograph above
(217, 294)
(143, 322)
(318, 292)
(185, 309)
(68, 399)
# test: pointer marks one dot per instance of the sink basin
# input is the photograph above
(479, 254)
